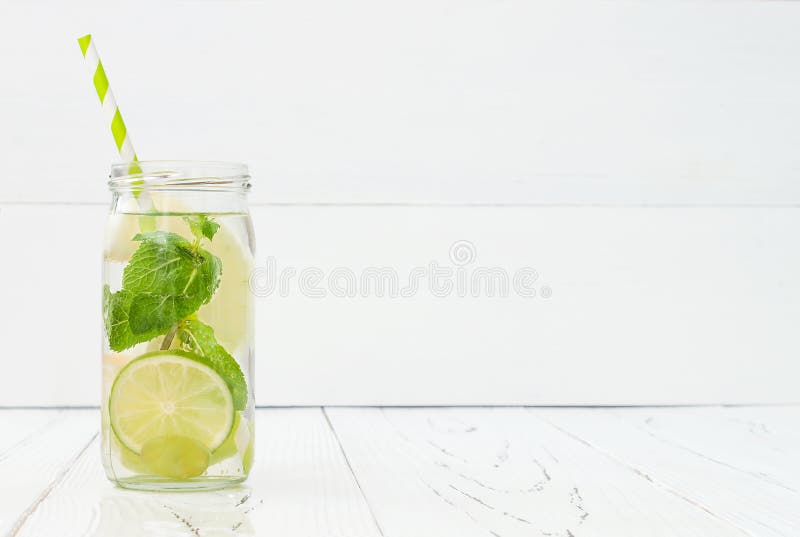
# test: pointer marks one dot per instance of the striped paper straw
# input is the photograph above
(110, 110)
(118, 130)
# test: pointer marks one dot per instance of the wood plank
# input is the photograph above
(519, 101)
(729, 438)
(19, 426)
(667, 275)
(300, 486)
(724, 480)
(778, 424)
(479, 471)
(31, 468)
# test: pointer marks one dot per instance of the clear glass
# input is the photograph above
(177, 393)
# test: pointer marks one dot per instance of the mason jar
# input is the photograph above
(177, 392)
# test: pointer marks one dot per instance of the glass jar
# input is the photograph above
(177, 394)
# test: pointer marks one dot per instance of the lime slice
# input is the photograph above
(238, 442)
(175, 456)
(169, 394)
(231, 307)
(228, 448)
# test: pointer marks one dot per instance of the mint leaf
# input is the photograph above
(167, 264)
(116, 307)
(149, 312)
(202, 226)
(160, 259)
(198, 338)
(168, 278)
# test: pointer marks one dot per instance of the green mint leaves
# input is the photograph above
(170, 278)
(198, 338)
(201, 226)
(115, 314)
(167, 279)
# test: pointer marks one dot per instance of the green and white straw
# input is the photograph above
(110, 109)
(118, 130)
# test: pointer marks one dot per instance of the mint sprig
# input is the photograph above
(201, 226)
(167, 279)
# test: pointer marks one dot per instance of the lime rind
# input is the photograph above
(228, 448)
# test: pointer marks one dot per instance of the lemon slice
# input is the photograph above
(170, 394)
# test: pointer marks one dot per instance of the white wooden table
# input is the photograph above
(433, 472)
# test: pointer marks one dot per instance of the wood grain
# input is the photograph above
(727, 438)
(34, 465)
(479, 472)
(21, 425)
(720, 478)
(300, 486)
(432, 472)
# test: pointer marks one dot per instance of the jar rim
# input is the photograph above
(179, 175)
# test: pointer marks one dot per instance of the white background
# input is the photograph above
(642, 157)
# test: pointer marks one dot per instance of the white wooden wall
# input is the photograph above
(641, 157)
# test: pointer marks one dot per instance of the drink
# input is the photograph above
(177, 393)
